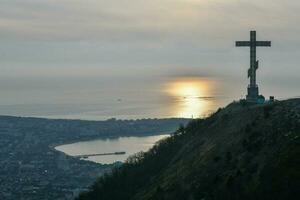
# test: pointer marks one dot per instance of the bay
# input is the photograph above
(130, 145)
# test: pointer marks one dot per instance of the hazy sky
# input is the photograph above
(51, 44)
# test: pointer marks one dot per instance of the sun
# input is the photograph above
(188, 90)
(189, 96)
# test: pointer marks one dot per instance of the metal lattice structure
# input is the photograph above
(252, 87)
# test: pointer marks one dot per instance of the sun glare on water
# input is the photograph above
(192, 96)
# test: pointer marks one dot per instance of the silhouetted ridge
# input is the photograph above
(240, 152)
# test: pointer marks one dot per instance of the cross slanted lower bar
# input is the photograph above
(253, 88)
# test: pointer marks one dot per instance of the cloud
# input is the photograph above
(86, 43)
(137, 34)
(136, 20)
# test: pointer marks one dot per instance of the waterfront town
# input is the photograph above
(30, 168)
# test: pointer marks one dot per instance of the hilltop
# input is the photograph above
(240, 152)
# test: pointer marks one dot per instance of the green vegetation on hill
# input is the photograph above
(240, 152)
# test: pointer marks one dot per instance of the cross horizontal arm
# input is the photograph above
(242, 43)
(263, 43)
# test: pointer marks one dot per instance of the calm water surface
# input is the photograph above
(179, 97)
(130, 145)
(188, 97)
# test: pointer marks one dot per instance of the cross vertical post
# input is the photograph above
(252, 58)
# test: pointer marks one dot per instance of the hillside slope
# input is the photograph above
(240, 152)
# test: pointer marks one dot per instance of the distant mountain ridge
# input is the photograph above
(240, 152)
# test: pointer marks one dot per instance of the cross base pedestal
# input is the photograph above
(252, 95)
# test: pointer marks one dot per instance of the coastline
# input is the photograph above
(54, 145)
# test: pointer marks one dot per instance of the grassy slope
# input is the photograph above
(240, 152)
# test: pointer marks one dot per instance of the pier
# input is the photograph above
(100, 154)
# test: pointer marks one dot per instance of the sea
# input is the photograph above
(93, 99)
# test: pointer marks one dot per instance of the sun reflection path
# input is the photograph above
(192, 96)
